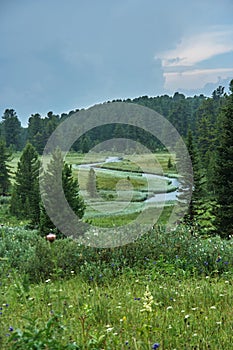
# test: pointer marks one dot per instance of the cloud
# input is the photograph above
(199, 47)
(184, 66)
(196, 78)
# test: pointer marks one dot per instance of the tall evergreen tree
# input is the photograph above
(91, 184)
(53, 179)
(4, 169)
(25, 201)
(191, 183)
(11, 129)
(224, 169)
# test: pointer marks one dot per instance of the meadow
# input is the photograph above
(169, 289)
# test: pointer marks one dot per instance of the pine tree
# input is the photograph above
(192, 181)
(4, 169)
(224, 169)
(11, 129)
(59, 175)
(91, 184)
(184, 167)
(25, 200)
(169, 163)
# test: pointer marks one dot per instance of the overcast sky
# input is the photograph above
(58, 55)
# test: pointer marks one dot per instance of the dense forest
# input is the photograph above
(205, 123)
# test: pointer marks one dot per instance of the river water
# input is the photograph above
(156, 198)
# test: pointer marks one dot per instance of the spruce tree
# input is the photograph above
(25, 200)
(193, 181)
(4, 169)
(11, 129)
(224, 169)
(185, 189)
(91, 183)
(52, 180)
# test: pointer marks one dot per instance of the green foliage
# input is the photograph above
(59, 175)
(136, 309)
(4, 169)
(11, 129)
(25, 199)
(91, 183)
(224, 170)
(32, 255)
(36, 337)
(169, 163)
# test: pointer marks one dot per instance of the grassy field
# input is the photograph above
(133, 311)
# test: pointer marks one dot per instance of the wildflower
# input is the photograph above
(109, 329)
(48, 280)
(51, 237)
(218, 258)
(148, 300)
(123, 319)
(11, 329)
(155, 346)
(213, 307)
(137, 298)
(169, 307)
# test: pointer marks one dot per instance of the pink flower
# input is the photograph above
(51, 237)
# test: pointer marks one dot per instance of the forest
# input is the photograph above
(169, 289)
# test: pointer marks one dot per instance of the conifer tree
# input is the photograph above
(4, 169)
(53, 179)
(91, 184)
(224, 169)
(25, 201)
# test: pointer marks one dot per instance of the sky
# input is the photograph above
(58, 55)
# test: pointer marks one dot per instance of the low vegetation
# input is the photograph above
(168, 287)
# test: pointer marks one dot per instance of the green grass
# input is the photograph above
(131, 311)
(119, 220)
(167, 287)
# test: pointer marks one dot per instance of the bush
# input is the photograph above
(158, 250)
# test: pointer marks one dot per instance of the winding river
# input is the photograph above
(155, 198)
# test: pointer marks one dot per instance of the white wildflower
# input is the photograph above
(148, 300)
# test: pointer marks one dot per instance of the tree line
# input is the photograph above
(183, 112)
(206, 124)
